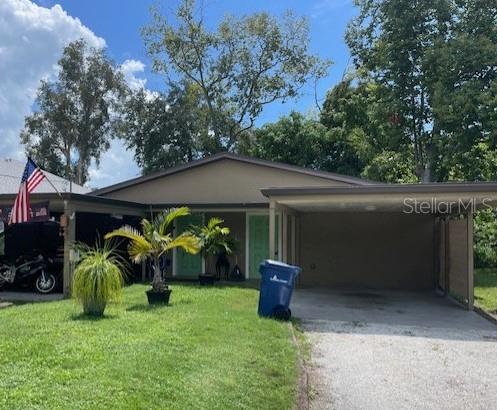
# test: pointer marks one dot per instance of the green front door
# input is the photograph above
(187, 264)
(259, 242)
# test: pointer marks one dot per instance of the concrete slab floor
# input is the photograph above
(27, 297)
(397, 350)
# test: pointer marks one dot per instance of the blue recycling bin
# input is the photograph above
(277, 282)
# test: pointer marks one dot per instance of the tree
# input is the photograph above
(464, 93)
(243, 65)
(156, 239)
(72, 123)
(364, 139)
(165, 130)
(437, 63)
(292, 139)
(389, 41)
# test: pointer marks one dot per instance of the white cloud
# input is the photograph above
(129, 68)
(116, 165)
(31, 41)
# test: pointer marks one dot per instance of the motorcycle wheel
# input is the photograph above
(45, 283)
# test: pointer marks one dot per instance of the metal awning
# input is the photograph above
(438, 198)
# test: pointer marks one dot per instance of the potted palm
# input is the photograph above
(215, 241)
(156, 239)
(98, 277)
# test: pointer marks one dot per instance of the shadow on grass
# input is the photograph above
(90, 318)
(147, 308)
(245, 284)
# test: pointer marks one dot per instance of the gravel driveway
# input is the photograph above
(397, 351)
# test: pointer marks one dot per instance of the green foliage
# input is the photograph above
(240, 67)
(292, 139)
(156, 239)
(435, 62)
(360, 128)
(214, 238)
(166, 130)
(72, 123)
(98, 277)
(209, 350)
(390, 166)
(485, 239)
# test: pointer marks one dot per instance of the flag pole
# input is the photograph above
(50, 182)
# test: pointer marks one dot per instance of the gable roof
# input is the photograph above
(11, 173)
(234, 157)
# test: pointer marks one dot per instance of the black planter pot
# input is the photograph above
(206, 279)
(158, 298)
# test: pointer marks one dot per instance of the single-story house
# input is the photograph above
(343, 231)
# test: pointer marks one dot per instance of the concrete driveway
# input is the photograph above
(393, 350)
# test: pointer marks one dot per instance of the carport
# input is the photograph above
(407, 237)
(84, 218)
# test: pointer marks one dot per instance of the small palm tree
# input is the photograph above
(215, 241)
(157, 239)
(213, 237)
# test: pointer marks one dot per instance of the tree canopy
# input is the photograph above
(72, 122)
(240, 67)
(437, 63)
(165, 130)
(293, 139)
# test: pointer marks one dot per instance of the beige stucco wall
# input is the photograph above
(458, 259)
(223, 181)
(236, 222)
(370, 250)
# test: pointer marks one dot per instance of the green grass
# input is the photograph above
(208, 350)
(486, 289)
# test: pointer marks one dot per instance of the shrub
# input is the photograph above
(98, 277)
(485, 239)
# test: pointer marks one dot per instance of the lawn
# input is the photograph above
(486, 289)
(207, 350)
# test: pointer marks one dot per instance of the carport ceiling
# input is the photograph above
(408, 198)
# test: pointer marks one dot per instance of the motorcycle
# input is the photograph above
(36, 271)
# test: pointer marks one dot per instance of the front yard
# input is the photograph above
(486, 289)
(207, 350)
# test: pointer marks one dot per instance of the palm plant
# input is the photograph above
(157, 239)
(214, 238)
(98, 277)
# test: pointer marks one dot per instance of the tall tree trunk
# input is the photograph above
(67, 155)
(427, 176)
(79, 171)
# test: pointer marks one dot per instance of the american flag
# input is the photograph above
(31, 178)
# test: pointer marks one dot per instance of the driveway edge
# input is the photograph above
(303, 399)
(486, 315)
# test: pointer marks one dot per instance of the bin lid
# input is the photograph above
(270, 262)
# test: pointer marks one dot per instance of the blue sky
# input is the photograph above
(33, 34)
(119, 22)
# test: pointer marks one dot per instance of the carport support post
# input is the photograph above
(69, 238)
(471, 296)
(284, 237)
(293, 243)
(272, 229)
